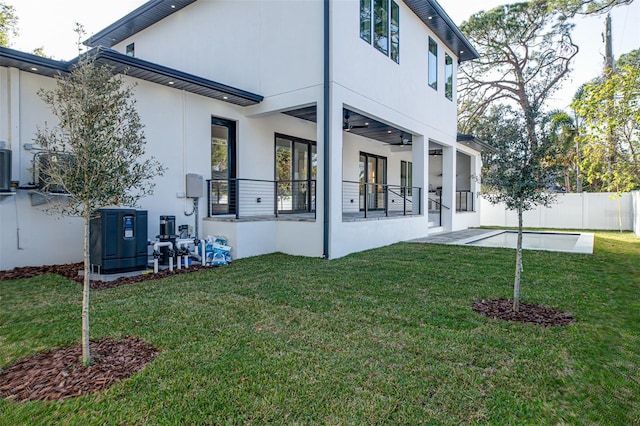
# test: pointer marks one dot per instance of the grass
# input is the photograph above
(385, 336)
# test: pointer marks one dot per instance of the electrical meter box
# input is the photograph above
(118, 240)
(195, 185)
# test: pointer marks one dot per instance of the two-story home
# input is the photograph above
(318, 127)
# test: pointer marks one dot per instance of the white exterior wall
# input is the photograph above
(262, 46)
(273, 48)
(178, 132)
(570, 211)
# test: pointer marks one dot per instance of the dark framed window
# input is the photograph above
(433, 64)
(131, 49)
(448, 76)
(365, 20)
(406, 176)
(395, 32)
(380, 26)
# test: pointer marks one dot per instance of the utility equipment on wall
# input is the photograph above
(5, 170)
(44, 163)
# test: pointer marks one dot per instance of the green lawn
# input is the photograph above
(385, 336)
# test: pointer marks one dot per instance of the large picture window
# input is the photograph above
(448, 77)
(380, 26)
(433, 64)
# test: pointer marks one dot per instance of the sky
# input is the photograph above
(50, 23)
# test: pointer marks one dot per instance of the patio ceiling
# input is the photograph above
(359, 124)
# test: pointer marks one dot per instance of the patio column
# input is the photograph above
(448, 186)
(420, 173)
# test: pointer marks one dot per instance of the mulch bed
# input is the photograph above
(528, 313)
(71, 271)
(58, 375)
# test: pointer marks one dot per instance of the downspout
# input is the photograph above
(326, 131)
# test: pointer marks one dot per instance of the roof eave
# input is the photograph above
(434, 17)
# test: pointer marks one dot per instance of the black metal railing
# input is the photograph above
(244, 198)
(370, 200)
(434, 201)
(465, 201)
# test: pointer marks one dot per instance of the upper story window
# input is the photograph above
(433, 64)
(380, 26)
(448, 76)
(131, 49)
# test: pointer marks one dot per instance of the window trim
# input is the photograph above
(448, 76)
(368, 30)
(433, 84)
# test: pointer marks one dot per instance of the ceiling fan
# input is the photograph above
(346, 125)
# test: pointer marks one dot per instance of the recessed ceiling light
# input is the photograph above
(225, 97)
(462, 51)
(173, 6)
(366, 123)
(430, 17)
(171, 83)
(34, 69)
(388, 131)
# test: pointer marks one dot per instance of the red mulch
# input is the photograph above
(528, 313)
(71, 271)
(58, 375)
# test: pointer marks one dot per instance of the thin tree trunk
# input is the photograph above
(516, 284)
(86, 356)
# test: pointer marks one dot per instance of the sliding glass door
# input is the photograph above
(373, 177)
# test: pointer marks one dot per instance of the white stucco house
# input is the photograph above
(319, 127)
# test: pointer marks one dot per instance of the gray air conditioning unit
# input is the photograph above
(47, 163)
(5, 170)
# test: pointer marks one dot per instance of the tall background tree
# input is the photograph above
(610, 107)
(586, 7)
(100, 144)
(8, 24)
(525, 52)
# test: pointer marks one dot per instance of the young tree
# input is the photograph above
(525, 52)
(99, 145)
(8, 24)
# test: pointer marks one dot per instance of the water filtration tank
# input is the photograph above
(118, 240)
(167, 234)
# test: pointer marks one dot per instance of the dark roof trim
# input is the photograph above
(136, 21)
(434, 17)
(31, 63)
(429, 11)
(475, 143)
(133, 67)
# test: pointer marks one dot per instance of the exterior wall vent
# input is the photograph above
(44, 164)
(5, 170)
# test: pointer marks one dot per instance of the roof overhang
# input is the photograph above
(434, 17)
(136, 21)
(475, 143)
(429, 11)
(134, 67)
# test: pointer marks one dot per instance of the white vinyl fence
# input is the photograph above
(603, 210)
